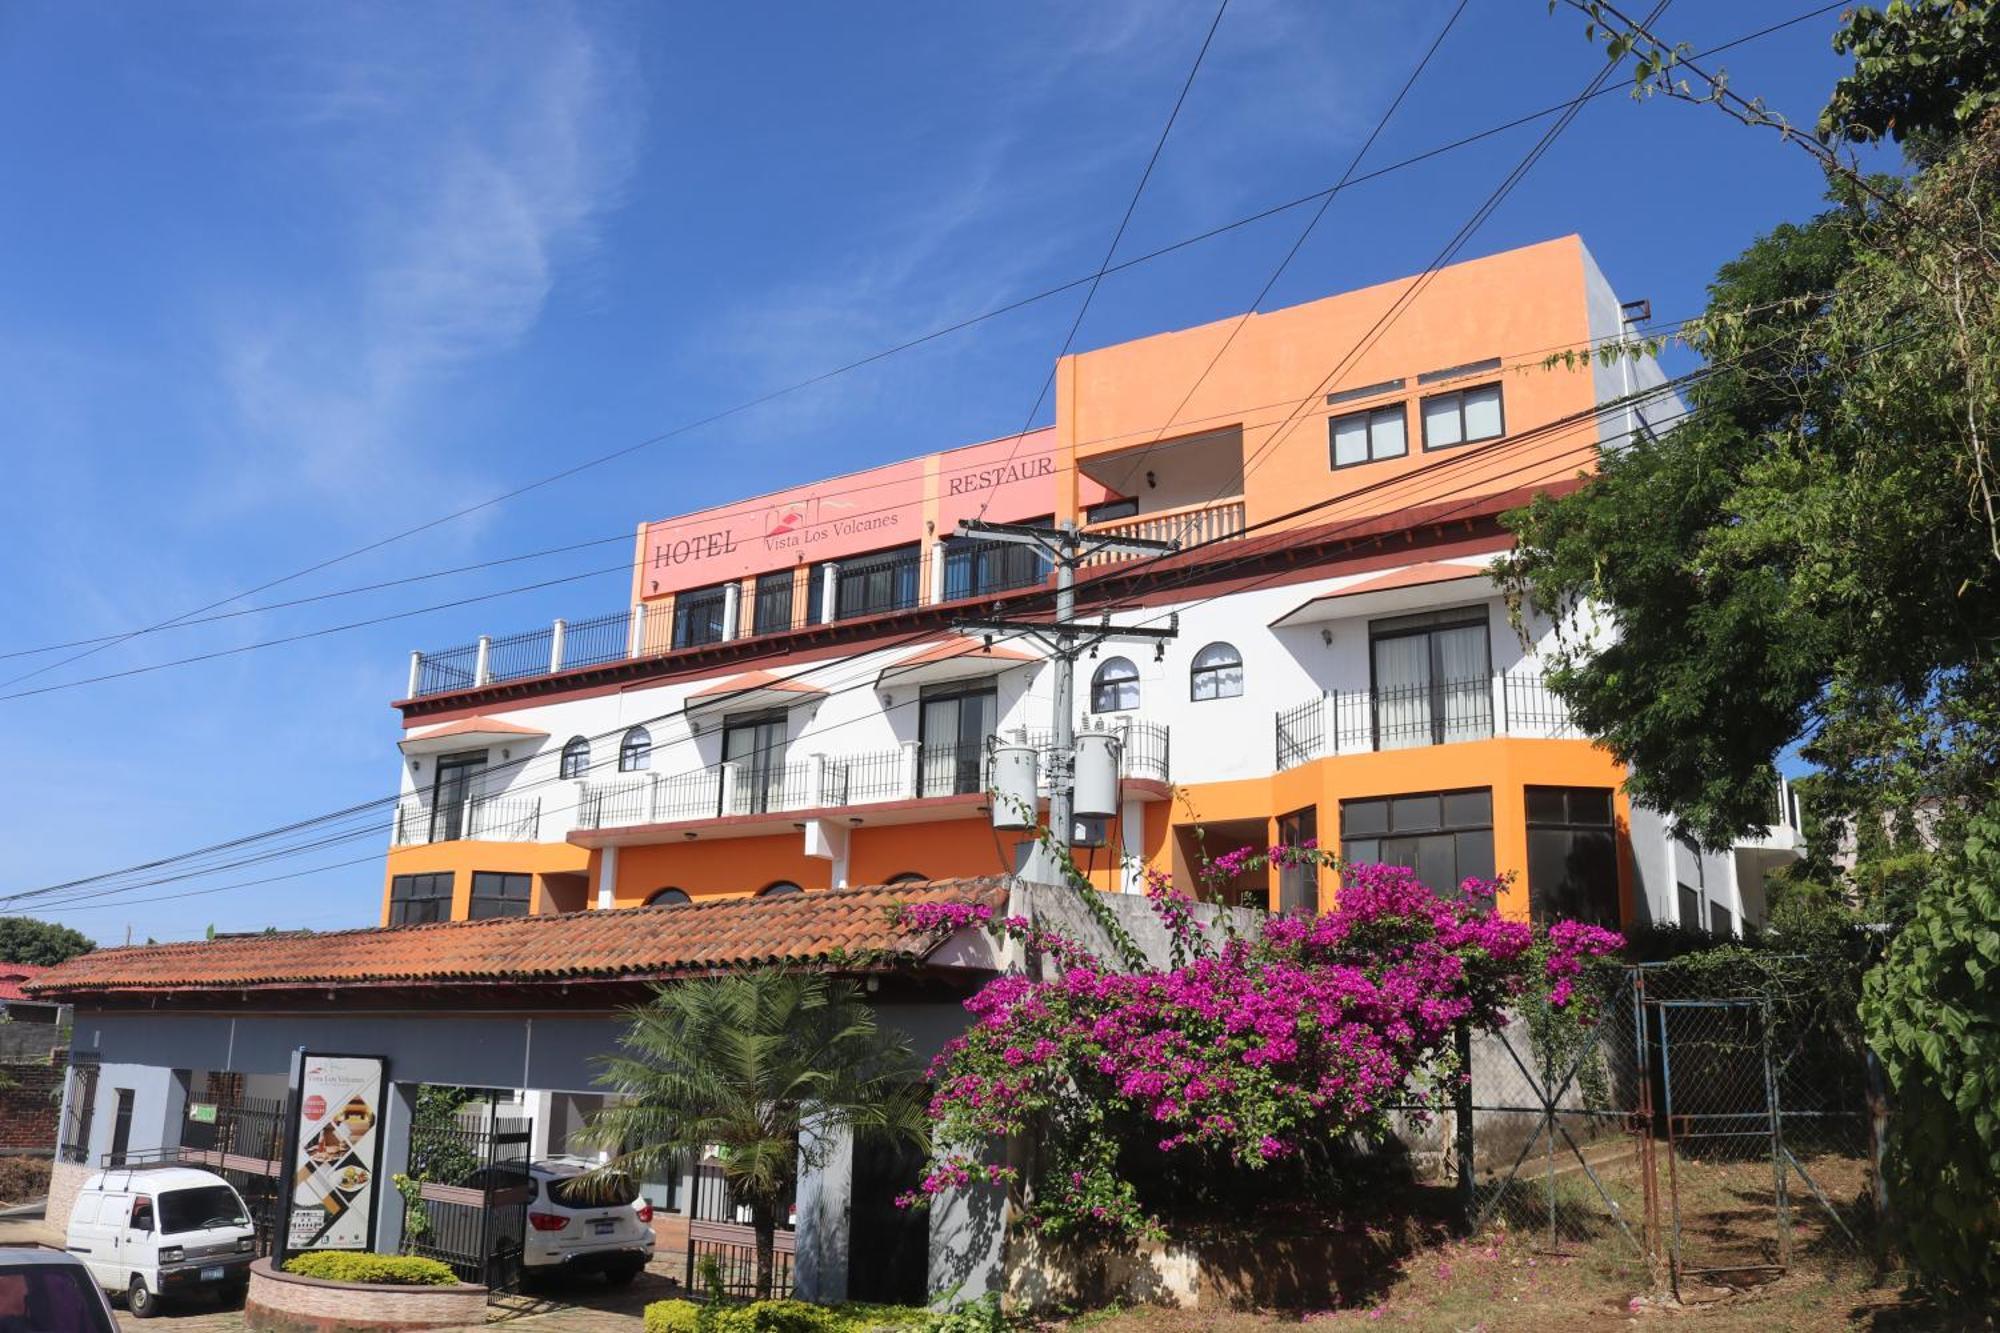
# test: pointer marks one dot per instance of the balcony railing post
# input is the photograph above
(732, 609)
(481, 664)
(535, 821)
(416, 674)
(637, 642)
(913, 763)
(465, 829)
(1500, 704)
(936, 557)
(829, 591)
(652, 798)
(726, 799)
(816, 784)
(556, 632)
(1329, 723)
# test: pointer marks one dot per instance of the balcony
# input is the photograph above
(479, 819)
(1190, 525)
(1441, 713)
(909, 772)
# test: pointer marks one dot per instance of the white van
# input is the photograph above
(163, 1231)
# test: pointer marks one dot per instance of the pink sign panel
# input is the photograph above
(843, 516)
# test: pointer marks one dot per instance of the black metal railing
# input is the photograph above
(951, 770)
(877, 776)
(243, 1141)
(482, 819)
(735, 1266)
(474, 1191)
(1434, 713)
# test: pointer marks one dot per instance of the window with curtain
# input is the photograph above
(635, 752)
(1432, 678)
(575, 758)
(1445, 836)
(415, 900)
(1368, 437)
(1572, 855)
(974, 567)
(1463, 417)
(773, 613)
(1217, 673)
(698, 617)
(496, 894)
(953, 726)
(1114, 686)
(885, 581)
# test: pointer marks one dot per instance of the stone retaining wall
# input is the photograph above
(287, 1303)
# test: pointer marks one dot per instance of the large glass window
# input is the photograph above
(497, 894)
(956, 723)
(872, 584)
(753, 744)
(974, 567)
(698, 616)
(1572, 855)
(417, 899)
(1114, 686)
(1298, 885)
(1368, 437)
(575, 757)
(1217, 673)
(635, 752)
(774, 602)
(455, 787)
(1463, 416)
(1433, 678)
(1445, 836)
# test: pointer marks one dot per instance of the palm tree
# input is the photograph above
(766, 1065)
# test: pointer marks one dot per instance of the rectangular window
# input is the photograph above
(1463, 416)
(1355, 395)
(1690, 903)
(774, 602)
(1298, 885)
(417, 899)
(497, 894)
(698, 616)
(953, 728)
(121, 1125)
(1572, 855)
(974, 567)
(816, 595)
(1368, 437)
(1445, 836)
(1432, 678)
(754, 745)
(873, 584)
(1720, 923)
(1111, 511)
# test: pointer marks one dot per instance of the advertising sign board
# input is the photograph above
(332, 1189)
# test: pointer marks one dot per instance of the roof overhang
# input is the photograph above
(953, 660)
(750, 692)
(470, 733)
(1418, 588)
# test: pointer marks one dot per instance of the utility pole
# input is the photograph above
(1065, 639)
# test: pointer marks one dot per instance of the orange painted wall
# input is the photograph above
(721, 867)
(1507, 764)
(1514, 305)
(463, 858)
(937, 851)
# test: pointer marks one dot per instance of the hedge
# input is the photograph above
(786, 1317)
(381, 1270)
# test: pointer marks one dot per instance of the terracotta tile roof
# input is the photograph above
(962, 647)
(1434, 572)
(470, 726)
(629, 944)
(11, 977)
(755, 681)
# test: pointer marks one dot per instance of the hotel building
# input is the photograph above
(784, 706)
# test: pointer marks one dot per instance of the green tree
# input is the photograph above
(40, 943)
(765, 1068)
(1932, 1015)
(1923, 72)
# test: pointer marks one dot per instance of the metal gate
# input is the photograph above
(1756, 1104)
(473, 1190)
(242, 1140)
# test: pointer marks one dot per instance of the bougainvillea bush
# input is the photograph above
(1250, 1050)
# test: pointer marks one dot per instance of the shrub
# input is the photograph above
(787, 1317)
(382, 1270)
(1930, 1016)
(23, 1178)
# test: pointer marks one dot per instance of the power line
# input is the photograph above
(871, 358)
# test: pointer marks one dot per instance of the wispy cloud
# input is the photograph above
(467, 183)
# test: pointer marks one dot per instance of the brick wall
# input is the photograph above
(29, 1105)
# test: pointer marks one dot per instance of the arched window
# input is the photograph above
(635, 752)
(576, 757)
(780, 889)
(1217, 673)
(909, 877)
(1114, 686)
(668, 898)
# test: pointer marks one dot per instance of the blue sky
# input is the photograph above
(276, 281)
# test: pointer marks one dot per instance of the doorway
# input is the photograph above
(953, 728)
(453, 791)
(755, 745)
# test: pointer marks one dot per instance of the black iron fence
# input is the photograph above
(243, 1141)
(1438, 712)
(473, 1194)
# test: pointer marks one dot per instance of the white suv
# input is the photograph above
(598, 1226)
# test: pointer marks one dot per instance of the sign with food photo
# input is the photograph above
(333, 1179)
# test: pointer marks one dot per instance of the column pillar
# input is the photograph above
(825, 1203)
(913, 758)
(607, 878)
(556, 645)
(829, 591)
(416, 674)
(732, 609)
(399, 1109)
(481, 666)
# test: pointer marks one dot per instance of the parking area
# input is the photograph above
(581, 1305)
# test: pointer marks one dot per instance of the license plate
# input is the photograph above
(212, 1274)
(602, 1226)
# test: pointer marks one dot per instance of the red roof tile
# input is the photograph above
(13, 974)
(758, 681)
(631, 944)
(467, 726)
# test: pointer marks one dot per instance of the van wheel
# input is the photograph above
(142, 1303)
